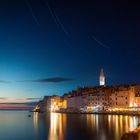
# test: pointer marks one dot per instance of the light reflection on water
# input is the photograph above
(35, 119)
(95, 127)
(56, 126)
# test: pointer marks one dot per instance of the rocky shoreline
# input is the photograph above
(132, 135)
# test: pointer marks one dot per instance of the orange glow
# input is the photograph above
(57, 126)
(14, 100)
(13, 106)
(35, 120)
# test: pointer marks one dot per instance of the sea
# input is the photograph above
(25, 125)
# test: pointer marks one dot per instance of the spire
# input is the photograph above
(102, 78)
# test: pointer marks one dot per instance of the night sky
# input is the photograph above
(54, 46)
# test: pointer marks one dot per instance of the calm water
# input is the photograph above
(16, 125)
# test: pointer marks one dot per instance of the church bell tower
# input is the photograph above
(102, 78)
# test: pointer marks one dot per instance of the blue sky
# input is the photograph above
(45, 40)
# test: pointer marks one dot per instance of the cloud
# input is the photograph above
(20, 100)
(2, 81)
(49, 80)
(33, 99)
(28, 103)
(3, 98)
(17, 106)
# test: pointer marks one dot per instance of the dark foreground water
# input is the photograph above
(16, 125)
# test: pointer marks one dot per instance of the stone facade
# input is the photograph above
(95, 99)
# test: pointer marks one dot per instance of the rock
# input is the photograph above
(133, 135)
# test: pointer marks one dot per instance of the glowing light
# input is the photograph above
(35, 121)
(57, 126)
(131, 124)
(130, 105)
(102, 78)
